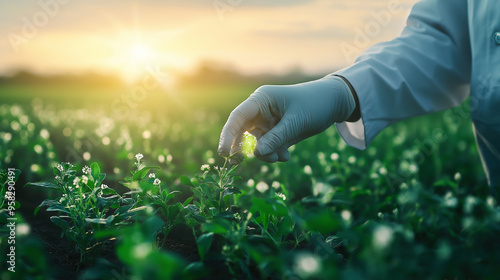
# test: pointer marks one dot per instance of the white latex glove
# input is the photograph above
(281, 116)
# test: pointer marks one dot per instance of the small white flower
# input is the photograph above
(334, 156)
(351, 159)
(86, 170)
(157, 182)
(382, 170)
(282, 196)
(276, 184)
(139, 156)
(60, 168)
(250, 183)
(262, 187)
(83, 195)
(308, 170)
(70, 188)
(104, 186)
(413, 168)
(346, 215)
(76, 181)
(152, 175)
(85, 179)
(205, 167)
(64, 195)
(58, 178)
(382, 237)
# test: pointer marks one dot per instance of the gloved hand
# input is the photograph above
(281, 116)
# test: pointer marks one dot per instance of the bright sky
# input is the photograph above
(125, 36)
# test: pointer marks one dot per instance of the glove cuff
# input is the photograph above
(356, 114)
(348, 102)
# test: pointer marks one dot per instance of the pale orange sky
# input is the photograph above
(127, 36)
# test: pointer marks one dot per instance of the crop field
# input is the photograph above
(97, 187)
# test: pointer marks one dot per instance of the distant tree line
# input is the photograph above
(206, 72)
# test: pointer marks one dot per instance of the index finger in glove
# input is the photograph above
(236, 123)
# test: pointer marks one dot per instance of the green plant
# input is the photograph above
(146, 190)
(213, 191)
(85, 206)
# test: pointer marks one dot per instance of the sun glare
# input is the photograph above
(141, 52)
(135, 57)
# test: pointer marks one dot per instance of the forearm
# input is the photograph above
(426, 69)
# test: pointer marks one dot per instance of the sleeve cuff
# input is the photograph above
(353, 133)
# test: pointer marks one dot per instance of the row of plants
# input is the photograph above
(417, 208)
(257, 231)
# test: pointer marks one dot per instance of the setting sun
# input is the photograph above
(140, 52)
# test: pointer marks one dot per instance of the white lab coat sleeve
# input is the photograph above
(426, 69)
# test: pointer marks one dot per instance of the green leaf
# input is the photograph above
(196, 270)
(57, 207)
(132, 185)
(445, 182)
(95, 170)
(217, 226)
(207, 190)
(44, 185)
(230, 191)
(204, 242)
(139, 174)
(169, 196)
(228, 215)
(186, 181)
(210, 179)
(260, 205)
(123, 209)
(324, 222)
(100, 179)
(109, 191)
(173, 212)
(146, 186)
(140, 208)
(96, 221)
(285, 226)
(57, 172)
(187, 201)
(110, 219)
(47, 202)
(269, 206)
(64, 225)
(195, 182)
